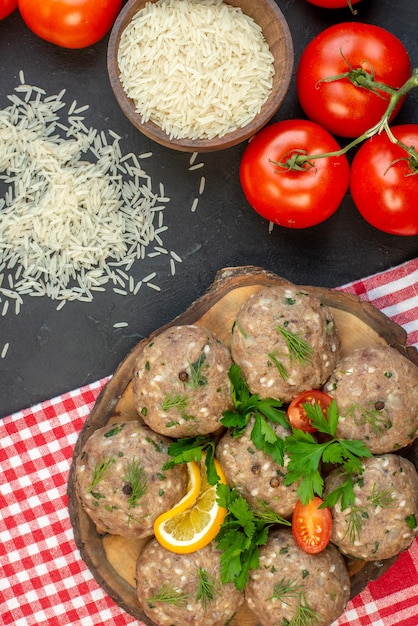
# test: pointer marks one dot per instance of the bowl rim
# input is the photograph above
(153, 131)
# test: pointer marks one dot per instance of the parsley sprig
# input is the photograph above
(248, 405)
(242, 533)
(194, 449)
(307, 455)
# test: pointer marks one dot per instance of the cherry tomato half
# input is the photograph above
(341, 107)
(384, 183)
(293, 198)
(70, 23)
(296, 413)
(312, 526)
(7, 7)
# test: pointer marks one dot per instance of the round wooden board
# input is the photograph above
(112, 559)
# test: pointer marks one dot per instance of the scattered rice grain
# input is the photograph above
(5, 349)
(120, 325)
(202, 185)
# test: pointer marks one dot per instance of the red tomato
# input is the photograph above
(7, 7)
(70, 23)
(384, 183)
(333, 4)
(296, 413)
(312, 526)
(339, 106)
(292, 198)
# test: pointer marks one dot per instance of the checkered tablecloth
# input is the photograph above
(44, 582)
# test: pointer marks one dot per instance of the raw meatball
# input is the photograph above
(120, 481)
(163, 576)
(285, 342)
(376, 390)
(256, 476)
(383, 520)
(181, 385)
(292, 586)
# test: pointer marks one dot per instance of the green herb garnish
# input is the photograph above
(177, 401)
(208, 587)
(135, 477)
(197, 379)
(194, 449)
(411, 521)
(359, 514)
(99, 472)
(249, 405)
(286, 591)
(378, 418)
(307, 455)
(242, 533)
(169, 595)
(299, 350)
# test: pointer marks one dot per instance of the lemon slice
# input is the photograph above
(191, 525)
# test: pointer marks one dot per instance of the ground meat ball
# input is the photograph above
(163, 574)
(383, 520)
(292, 586)
(254, 474)
(376, 390)
(181, 385)
(120, 480)
(267, 324)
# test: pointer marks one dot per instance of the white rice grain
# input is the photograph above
(208, 74)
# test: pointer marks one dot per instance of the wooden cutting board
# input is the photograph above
(112, 559)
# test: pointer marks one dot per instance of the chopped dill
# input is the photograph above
(99, 472)
(377, 418)
(135, 477)
(177, 401)
(359, 514)
(208, 587)
(169, 595)
(285, 591)
(299, 349)
(197, 379)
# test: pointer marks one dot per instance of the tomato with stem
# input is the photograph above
(312, 525)
(70, 23)
(296, 412)
(334, 4)
(347, 74)
(284, 192)
(384, 180)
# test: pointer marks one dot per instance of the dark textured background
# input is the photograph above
(55, 351)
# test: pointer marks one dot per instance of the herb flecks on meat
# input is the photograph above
(287, 592)
(208, 587)
(358, 515)
(135, 481)
(99, 473)
(376, 415)
(170, 595)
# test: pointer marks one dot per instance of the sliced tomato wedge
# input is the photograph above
(312, 526)
(296, 413)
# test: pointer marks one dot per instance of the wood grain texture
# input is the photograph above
(112, 559)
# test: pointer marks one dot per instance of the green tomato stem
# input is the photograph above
(301, 160)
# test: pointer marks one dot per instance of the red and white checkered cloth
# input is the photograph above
(44, 582)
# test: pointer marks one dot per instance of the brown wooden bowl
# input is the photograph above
(277, 34)
(111, 558)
